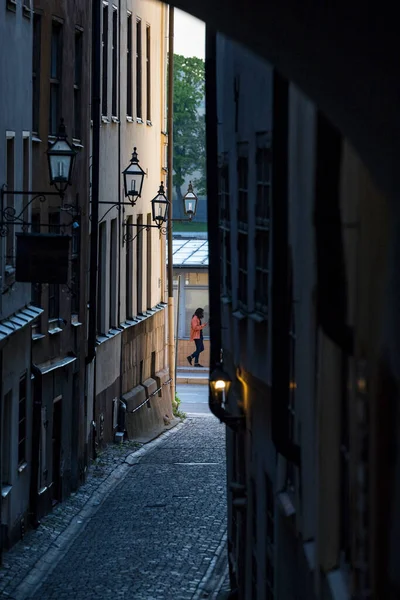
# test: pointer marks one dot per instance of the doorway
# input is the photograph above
(56, 449)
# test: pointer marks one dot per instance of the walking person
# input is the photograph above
(196, 334)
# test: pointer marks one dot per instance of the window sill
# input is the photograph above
(77, 143)
(27, 12)
(75, 321)
(129, 119)
(258, 317)
(35, 138)
(5, 490)
(139, 120)
(105, 119)
(22, 467)
(37, 336)
(286, 504)
(54, 331)
(115, 120)
(240, 315)
(337, 584)
(149, 123)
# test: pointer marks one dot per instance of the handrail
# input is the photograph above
(151, 396)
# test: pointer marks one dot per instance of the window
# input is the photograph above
(129, 66)
(242, 175)
(6, 440)
(269, 539)
(114, 91)
(262, 271)
(102, 275)
(139, 266)
(224, 212)
(113, 274)
(290, 473)
(139, 69)
(242, 274)
(27, 8)
(78, 85)
(37, 31)
(345, 518)
(26, 158)
(54, 288)
(43, 472)
(55, 77)
(129, 272)
(148, 75)
(195, 296)
(148, 261)
(10, 239)
(75, 268)
(104, 81)
(224, 193)
(22, 421)
(263, 174)
(254, 586)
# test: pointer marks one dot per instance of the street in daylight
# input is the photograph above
(159, 532)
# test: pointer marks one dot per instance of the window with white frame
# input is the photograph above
(55, 77)
(129, 65)
(104, 78)
(10, 172)
(114, 53)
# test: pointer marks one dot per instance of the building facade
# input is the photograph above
(16, 312)
(60, 90)
(302, 237)
(130, 353)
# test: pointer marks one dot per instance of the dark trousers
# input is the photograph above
(199, 348)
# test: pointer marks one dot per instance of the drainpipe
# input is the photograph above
(170, 279)
(96, 70)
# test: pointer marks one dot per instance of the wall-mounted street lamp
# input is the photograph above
(42, 257)
(159, 207)
(133, 178)
(61, 156)
(220, 382)
(190, 202)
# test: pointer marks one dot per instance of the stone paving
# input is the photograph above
(149, 526)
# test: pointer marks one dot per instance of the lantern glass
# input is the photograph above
(61, 157)
(220, 383)
(190, 202)
(133, 178)
(159, 206)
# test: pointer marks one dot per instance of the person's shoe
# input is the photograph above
(198, 365)
(189, 359)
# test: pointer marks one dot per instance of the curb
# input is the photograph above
(50, 559)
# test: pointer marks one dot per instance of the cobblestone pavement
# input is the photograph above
(155, 528)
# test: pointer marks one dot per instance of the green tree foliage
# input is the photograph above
(189, 123)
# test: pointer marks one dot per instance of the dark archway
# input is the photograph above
(344, 56)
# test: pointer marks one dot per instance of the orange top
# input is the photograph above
(195, 328)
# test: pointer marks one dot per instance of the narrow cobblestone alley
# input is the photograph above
(158, 533)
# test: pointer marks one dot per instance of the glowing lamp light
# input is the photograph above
(220, 382)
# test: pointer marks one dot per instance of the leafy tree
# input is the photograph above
(189, 123)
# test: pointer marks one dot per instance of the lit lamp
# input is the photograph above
(133, 178)
(220, 382)
(159, 207)
(61, 157)
(190, 202)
